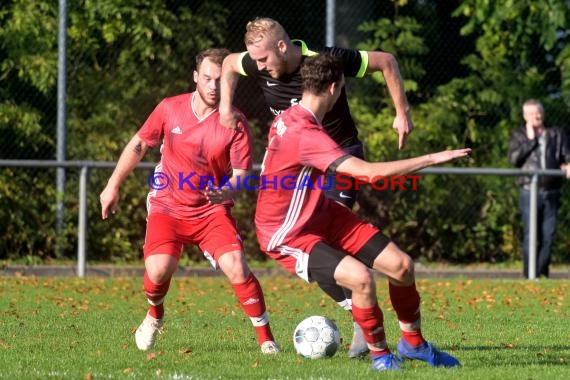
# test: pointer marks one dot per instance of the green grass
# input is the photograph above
(67, 328)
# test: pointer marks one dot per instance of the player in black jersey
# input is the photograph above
(274, 61)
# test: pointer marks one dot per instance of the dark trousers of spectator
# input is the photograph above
(547, 205)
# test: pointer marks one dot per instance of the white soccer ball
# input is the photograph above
(316, 337)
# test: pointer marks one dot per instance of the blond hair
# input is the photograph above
(264, 28)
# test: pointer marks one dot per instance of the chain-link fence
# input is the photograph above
(125, 56)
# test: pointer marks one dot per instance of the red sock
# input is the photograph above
(155, 294)
(406, 303)
(371, 320)
(251, 299)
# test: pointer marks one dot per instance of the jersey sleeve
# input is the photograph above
(241, 148)
(153, 128)
(355, 61)
(246, 65)
(317, 149)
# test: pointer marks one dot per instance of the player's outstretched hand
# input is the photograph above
(449, 155)
(403, 126)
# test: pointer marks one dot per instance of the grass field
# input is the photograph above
(69, 328)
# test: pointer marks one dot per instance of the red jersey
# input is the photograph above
(299, 152)
(193, 150)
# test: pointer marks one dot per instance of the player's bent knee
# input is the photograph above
(234, 266)
(160, 267)
(359, 280)
(405, 271)
(396, 264)
(159, 275)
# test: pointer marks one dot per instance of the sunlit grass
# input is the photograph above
(82, 329)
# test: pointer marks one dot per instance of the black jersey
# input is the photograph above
(286, 91)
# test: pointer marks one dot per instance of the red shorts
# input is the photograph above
(215, 234)
(334, 225)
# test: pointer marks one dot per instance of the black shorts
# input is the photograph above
(324, 259)
(335, 190)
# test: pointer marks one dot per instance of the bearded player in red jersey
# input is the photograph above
(195, 149)
(319, 240)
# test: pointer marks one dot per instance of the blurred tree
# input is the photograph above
(467, 65)
(123, 57)
(519, 51)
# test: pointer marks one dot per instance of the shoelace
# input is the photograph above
(155, 325)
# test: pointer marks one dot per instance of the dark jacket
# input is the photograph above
(525, 154)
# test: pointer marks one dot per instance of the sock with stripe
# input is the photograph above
(371, 320)
(155, 294)
(251, 299)
(406, 303)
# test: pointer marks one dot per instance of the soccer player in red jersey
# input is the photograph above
(319, 240)
(273, 60)
(195, 150)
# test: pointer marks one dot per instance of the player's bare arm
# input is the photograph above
(131, 156)
(359, 168)
(387, 64)
(228, 83)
